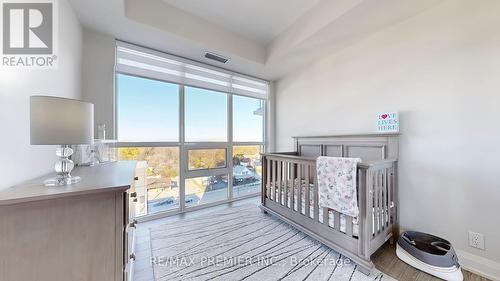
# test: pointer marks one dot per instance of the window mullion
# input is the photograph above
(265, 121)
(229, 155)
(182, 152)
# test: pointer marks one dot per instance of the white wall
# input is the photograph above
(441, 70)
(98, 77)
(19, 161)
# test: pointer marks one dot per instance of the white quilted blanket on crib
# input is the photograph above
(337, 184)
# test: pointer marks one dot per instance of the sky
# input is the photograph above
(148, 110)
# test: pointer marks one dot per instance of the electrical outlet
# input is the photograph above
(476, 240)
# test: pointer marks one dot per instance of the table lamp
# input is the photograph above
(64, 122)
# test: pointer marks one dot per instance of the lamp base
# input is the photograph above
(63, 168)
(59, 181)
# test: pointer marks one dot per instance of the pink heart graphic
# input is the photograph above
(384, 116)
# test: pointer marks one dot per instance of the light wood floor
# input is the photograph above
(385, 258)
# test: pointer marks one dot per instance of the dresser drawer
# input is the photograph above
(129, 249)
(129, 227)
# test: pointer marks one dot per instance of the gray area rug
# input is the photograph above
(241, 243)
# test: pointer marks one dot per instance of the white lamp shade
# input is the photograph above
(60, 121)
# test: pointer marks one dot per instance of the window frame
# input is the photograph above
(184, 147)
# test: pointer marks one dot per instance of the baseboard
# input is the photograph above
(479, 265)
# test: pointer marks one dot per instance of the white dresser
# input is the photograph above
(82, 232)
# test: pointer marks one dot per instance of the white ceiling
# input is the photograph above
(257, 20)
(262, 38)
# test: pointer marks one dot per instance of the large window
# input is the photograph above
(206, 115)
(148, 110)
(196, 131)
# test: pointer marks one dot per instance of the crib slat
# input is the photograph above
(271, 182)
(315, 194)
(389, 203)
(336, 220)
(326, 216)
(348, 226)
(285, 182)
(386, 199)
(308, 192)
(289, 186)
(391, 194)
(375, 205)
(377, 214)
(394, 191)
(268, 176)
(279, 181)
(299, 188)
(275, 179)
(383, 193)
(380, 208)
(292, 186)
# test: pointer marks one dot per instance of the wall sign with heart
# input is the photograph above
(388, 122)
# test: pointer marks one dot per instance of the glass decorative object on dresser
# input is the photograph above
(101, 131)
(102, 151)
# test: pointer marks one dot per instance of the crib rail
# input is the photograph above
(290, 188)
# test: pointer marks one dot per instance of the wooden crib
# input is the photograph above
(290, 192)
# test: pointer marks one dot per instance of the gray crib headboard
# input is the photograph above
(368, 147)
